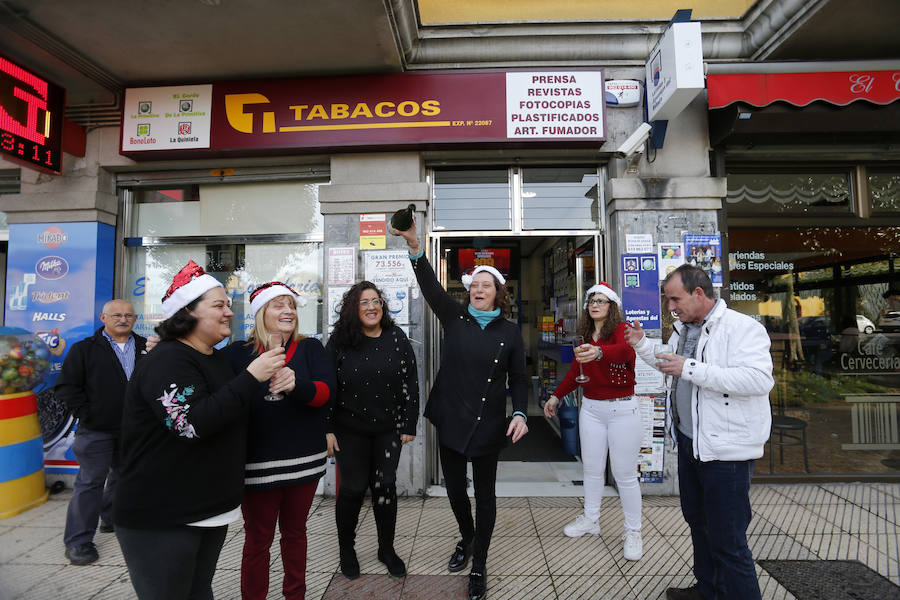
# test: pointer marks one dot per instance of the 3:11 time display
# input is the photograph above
(31, 110)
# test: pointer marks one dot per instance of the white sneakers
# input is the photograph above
(634, 546)
(580, 526)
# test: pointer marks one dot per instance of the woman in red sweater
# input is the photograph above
(609, 419)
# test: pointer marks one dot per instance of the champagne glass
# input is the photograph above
(577, 341)
(667, 349)
(274, 340)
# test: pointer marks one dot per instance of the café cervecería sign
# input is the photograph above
(395, 110)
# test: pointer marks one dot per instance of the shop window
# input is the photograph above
(240, 268)
(830, 300)
(233, 209)
(782, 193)
(560, 198)
(251, 233)
(884, 189)
(472, 200)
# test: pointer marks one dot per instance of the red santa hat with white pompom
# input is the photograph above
(189, 283)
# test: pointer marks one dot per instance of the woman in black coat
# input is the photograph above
(467, 405)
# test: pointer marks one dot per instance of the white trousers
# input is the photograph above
(614, 426)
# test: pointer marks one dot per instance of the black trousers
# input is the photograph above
(174, 563)
(95, 484)
(484, 474)
(367, 461)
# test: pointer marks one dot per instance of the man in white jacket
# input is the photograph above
(718, 380)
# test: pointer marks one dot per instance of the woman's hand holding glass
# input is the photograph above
(267, 364)
(586, 353)
(273, 341)
(578, 346)
(282, 381)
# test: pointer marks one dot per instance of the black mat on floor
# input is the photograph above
(540, 444)
(831, 580)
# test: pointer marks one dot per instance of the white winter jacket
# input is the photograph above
(732, 377)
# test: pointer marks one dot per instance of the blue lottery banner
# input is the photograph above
(58, 277)
(640, 289)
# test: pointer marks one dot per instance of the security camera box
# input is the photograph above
(674, 71)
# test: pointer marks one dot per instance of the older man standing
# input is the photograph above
(719, 381)
(92, 384)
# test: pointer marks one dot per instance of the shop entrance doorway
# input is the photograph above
(546, 276)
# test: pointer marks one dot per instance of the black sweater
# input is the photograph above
(286, 438)
(467, 403)
(92, 381)
(183, 438)
(377, 385)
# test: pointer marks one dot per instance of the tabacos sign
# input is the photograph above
(383, 111)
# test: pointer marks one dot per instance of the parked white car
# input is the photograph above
(864, 324)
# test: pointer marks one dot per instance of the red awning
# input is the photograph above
(800, 89)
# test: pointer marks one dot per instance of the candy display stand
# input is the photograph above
(24, 361)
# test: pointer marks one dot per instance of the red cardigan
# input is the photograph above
(611, 377)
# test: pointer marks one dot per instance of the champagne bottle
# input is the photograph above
(402, 220)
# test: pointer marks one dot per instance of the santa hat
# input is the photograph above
(467, 279)
(189, 283)
(269, 291)
(602, 288)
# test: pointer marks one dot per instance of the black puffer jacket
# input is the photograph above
(468, 401)
(92, 382)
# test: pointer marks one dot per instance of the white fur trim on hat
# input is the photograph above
(602, 288)
(467, 279)
(189, 292)
(272, 292)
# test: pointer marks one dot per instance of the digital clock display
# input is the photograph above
(31, 111)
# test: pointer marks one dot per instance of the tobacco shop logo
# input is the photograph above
(52, 237)
(55, 342)
(145, 107)
(51, 267)
(143, 129)
(184, 128)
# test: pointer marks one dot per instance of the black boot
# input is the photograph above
(346, 514)
(394, 563)
(478, 584)
(385, 512)
(460, 557)
(349, 563)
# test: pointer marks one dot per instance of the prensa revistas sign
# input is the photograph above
(374, 111)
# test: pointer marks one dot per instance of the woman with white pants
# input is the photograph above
(609, 417)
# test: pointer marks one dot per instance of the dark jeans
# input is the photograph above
(95, 484)
(715, 501)
(367, 461)
(174, 563)
(484, 475)
(289, 506)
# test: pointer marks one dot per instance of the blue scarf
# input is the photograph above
(484, 316)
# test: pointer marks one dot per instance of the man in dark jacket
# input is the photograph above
(92, 384)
